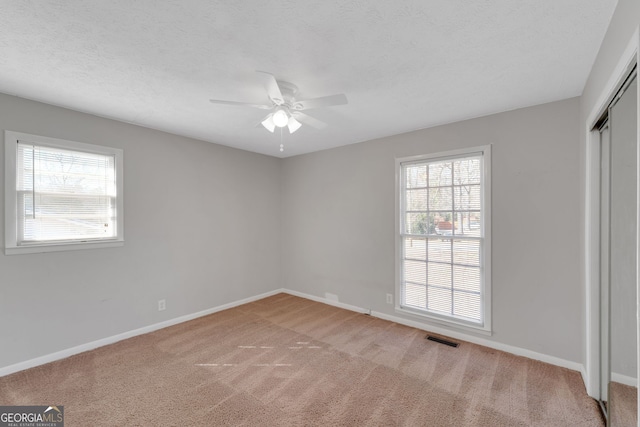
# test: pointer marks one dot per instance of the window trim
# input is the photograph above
(484, 328)
(10, 195)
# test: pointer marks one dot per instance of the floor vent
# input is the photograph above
(442, 341)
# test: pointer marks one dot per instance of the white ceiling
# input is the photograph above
(403, 65)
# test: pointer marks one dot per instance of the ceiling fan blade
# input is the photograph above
(293, 125)
(308, 120)
(271, 85)
(323, 101)
(244, 104)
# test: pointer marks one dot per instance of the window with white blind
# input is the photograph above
(61, 195)
(443, 240)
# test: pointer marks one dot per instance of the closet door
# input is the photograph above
(623, 189)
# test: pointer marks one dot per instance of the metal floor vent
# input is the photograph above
(442, 341)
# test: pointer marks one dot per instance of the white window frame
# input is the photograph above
(485, 254)
(10, 195)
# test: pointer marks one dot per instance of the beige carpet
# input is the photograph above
(623, 401)
(287, 361)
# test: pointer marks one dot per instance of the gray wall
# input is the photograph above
(338, 210)
(624, 22)
(201, 230)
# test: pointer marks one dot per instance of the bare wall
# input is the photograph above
(201, 230)
(338, 210)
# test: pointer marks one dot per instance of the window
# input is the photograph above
(61, 195)
(443, 239)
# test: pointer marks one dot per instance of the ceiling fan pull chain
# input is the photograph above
(281, 144)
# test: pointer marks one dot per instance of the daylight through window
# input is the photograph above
(442, 236)
(64, 194)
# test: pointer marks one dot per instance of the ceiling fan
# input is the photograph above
(286, 109)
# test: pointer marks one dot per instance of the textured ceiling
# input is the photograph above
(403, 65)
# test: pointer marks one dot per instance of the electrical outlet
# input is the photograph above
(389, 299)
(162, 304)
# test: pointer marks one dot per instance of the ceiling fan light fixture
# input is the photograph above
(280, 118)
(268, 123)
(293, 125)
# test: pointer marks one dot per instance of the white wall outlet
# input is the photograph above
(162, 305)
(389, 299)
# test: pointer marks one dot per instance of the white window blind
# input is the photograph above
(61, 195)
(442, 240)
(64, 195)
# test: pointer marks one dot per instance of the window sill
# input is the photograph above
(34, 249)
(441, 321)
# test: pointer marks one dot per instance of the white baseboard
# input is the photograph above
(583, 374)
(426, 327)
(518, 351)
(123, 336)
(624, 379)
(453, 334)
